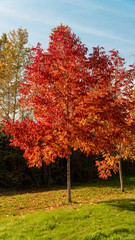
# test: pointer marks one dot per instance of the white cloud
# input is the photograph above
(100, 33)
(86, 4)
(7, 9)
(12, 13)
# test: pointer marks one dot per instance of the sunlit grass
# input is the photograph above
(98, 211)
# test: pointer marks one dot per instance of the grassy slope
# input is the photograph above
(98, 211)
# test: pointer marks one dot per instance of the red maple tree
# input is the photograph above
(78, 101)
(124, 127)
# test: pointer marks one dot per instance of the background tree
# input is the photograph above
(14, 56)
(5, 78)
(123, 84)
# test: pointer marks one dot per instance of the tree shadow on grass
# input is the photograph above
(129, 183)
(12, 192)
(122, 204)
(114, 182)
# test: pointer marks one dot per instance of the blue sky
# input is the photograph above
(107, 23)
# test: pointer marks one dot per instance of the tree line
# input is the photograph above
(15, 173)
(74, 102)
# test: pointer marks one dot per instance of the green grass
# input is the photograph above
(98, 211)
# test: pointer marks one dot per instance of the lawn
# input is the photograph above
(98, 211)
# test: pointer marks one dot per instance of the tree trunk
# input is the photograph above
(68, 179)
(45, 177)
(15, 97)
(49, 177)
(121, 175)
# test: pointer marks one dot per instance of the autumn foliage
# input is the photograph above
(14, 55)
(78, 101)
